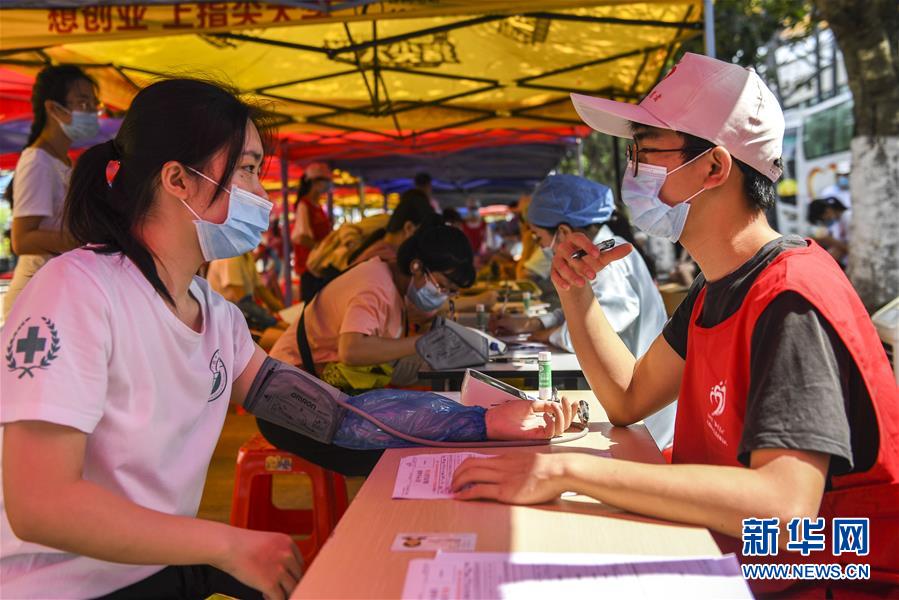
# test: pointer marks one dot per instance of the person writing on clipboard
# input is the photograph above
(787, 405)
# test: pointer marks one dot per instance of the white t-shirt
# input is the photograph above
(39, 190)
(91, 345)
(40, 186)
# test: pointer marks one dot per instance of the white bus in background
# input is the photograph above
(816, 140)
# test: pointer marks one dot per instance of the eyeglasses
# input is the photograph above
(91, 106)
(633, 153)
(452, 293)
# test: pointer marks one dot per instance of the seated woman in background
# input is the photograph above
(413, 211)
(563, 204)
(357, 324)
(238, 281)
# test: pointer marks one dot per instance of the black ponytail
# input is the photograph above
(184, 120)
(52, 83)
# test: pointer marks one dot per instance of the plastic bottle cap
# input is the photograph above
(544, 356)
(480, 308)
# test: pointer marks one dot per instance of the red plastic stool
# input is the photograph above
(252, 507)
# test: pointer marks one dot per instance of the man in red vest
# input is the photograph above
(787, 408)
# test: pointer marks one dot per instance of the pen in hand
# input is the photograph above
(602, 246)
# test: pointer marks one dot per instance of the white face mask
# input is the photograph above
(242, 230)
(641, 196)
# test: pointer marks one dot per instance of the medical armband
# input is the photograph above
(291, 398)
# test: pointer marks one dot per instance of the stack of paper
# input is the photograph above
(488, 575)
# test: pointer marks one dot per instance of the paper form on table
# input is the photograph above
(428, 476)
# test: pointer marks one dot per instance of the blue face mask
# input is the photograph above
(843, 182)
(428, 298)
(84, 126)
(548, 253)
(241, 231)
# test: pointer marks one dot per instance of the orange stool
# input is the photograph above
(252, 507)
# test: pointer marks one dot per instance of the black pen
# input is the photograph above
(604, 245)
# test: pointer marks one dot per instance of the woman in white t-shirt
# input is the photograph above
(64, 102)
(120, 363)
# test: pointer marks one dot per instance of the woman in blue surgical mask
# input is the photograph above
(358, 325)
(121, 363)
(64, 103)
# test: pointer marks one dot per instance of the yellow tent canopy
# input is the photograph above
(395, 69)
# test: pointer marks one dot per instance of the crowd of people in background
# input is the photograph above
(166, 247)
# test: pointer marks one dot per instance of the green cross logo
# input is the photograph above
(30, 346)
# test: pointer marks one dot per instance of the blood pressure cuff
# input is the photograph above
(449, 345)
(291, 398)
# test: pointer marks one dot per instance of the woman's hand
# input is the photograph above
(517, 324)
(567, 271)
(520, 478)
(526, 420)
(267, 561)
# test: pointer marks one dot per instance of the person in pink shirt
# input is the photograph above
(359, 319)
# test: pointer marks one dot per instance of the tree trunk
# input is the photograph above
(867, 32)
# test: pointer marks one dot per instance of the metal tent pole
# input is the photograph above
(616, 163)
(285, 228)
(580, 157)
(708, 15)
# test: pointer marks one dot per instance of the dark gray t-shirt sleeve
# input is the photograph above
(676, 329)
(797, 392)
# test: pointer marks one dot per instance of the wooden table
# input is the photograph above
(357, 562)
(567, 374)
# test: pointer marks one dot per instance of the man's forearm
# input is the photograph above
(716, 497)
(606, 362)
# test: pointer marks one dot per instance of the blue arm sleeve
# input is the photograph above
(422, 414)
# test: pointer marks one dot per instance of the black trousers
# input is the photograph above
(194, 582)
(350, 463)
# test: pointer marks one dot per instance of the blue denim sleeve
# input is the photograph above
(422, 414)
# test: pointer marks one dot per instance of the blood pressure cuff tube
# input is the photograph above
(291, 398)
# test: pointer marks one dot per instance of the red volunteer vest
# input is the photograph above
(321, 227)
(715, 385)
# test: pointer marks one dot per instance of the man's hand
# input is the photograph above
(579, 271)
(524, 420)
(520, 478)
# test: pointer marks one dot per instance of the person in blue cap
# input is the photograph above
(560, 206)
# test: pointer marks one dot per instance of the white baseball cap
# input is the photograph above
(717, 101)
